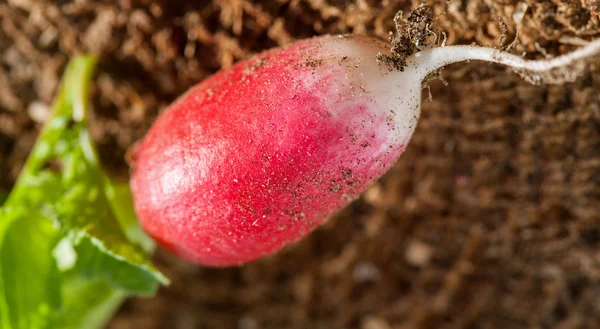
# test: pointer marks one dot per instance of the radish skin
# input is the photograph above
(259, 155)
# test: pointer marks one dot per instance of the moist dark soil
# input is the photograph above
(491, 219)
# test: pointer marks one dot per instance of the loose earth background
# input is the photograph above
(489, 220)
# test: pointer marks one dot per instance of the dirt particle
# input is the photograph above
(313, 63)
(98, 36)
(347, 173)
(258, 63)
(351, 183)
(335, 187)
(39, 112)
(411, 35)
(418, 253)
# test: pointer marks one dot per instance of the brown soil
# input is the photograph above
(489, 220)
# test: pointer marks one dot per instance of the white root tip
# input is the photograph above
(558, 70)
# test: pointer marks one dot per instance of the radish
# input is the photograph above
(260, 154)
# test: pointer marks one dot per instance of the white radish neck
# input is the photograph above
(536, 71)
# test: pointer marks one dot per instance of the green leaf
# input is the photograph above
(63, 174)
(87, 304)
(77, 227)
(3, 196)
(29, 279)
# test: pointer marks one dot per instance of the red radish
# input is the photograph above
(260, 154)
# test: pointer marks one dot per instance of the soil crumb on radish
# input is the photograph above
(411, 35)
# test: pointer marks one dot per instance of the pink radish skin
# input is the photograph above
(260, 154)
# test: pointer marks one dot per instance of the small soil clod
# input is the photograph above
(411, 35)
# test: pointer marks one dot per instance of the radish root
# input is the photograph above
(558, 70)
